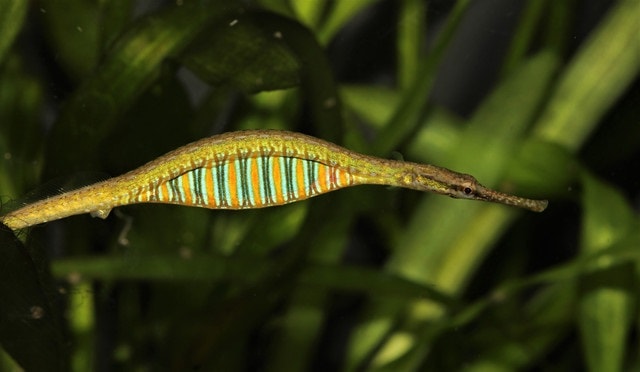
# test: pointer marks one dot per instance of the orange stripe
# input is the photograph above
(165, 192)
(232, 183)
(210, 193)
(322, 178)
(188, 195)
(277, 179)
(143, 196)
(255, 182)
(302, 192)
(344, 180)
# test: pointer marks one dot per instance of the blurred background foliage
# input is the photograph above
(539, 98)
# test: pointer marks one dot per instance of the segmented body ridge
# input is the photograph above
(259, 170)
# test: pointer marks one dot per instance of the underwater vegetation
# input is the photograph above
(533, 98)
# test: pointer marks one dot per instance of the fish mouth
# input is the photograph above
(486, 194)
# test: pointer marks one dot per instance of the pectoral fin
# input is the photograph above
(102, 213)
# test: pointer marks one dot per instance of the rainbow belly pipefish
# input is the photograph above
(254, 169)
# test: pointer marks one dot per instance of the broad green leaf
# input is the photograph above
(411, 34)
(154, 266)
(115, 14)
(73, 28)
(309, 12)
(525, 32)
(484, 150)
(437, 139)
(607, 215)
(279, 6)
(133, 64)
(544, 170)
(446, 239)
(212, 267)
(162, 107)
(409, 114)
(340, 13)
(373, 104)
(166, 287)
(317, 83)
(608, 295)
(544, 320)
(82, 323)
(552, 307)
(21, 99)
(12, 14)
(322, 240)
(599, 73)
(234, 52)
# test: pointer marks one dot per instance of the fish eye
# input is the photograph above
(467, 189)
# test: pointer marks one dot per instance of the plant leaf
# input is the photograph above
(608, 294)
(599, 73)
(126, 73)
(234, 52)
(12, 14)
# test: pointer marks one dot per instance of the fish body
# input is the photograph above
(253, 169)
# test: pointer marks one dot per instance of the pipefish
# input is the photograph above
(254, 169)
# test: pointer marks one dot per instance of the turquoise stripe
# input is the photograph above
(305, 178)
(191, 177)
(159, 193)
(241, 185)
(248, 181)
(220, 190)
(311, 174)
(268, 181)
(176, 190)
(169, 196)
(202, 186)
(293, 165)
(245, 193)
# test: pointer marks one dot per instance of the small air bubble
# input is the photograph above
(330, 102)
(123, 241)
(185, 253)
(277, 35)
(74, 277)
(37, 312)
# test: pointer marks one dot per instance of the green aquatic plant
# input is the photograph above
(364, 279)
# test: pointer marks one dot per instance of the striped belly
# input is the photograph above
(249, 182)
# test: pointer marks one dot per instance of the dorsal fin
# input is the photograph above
(397, 155)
